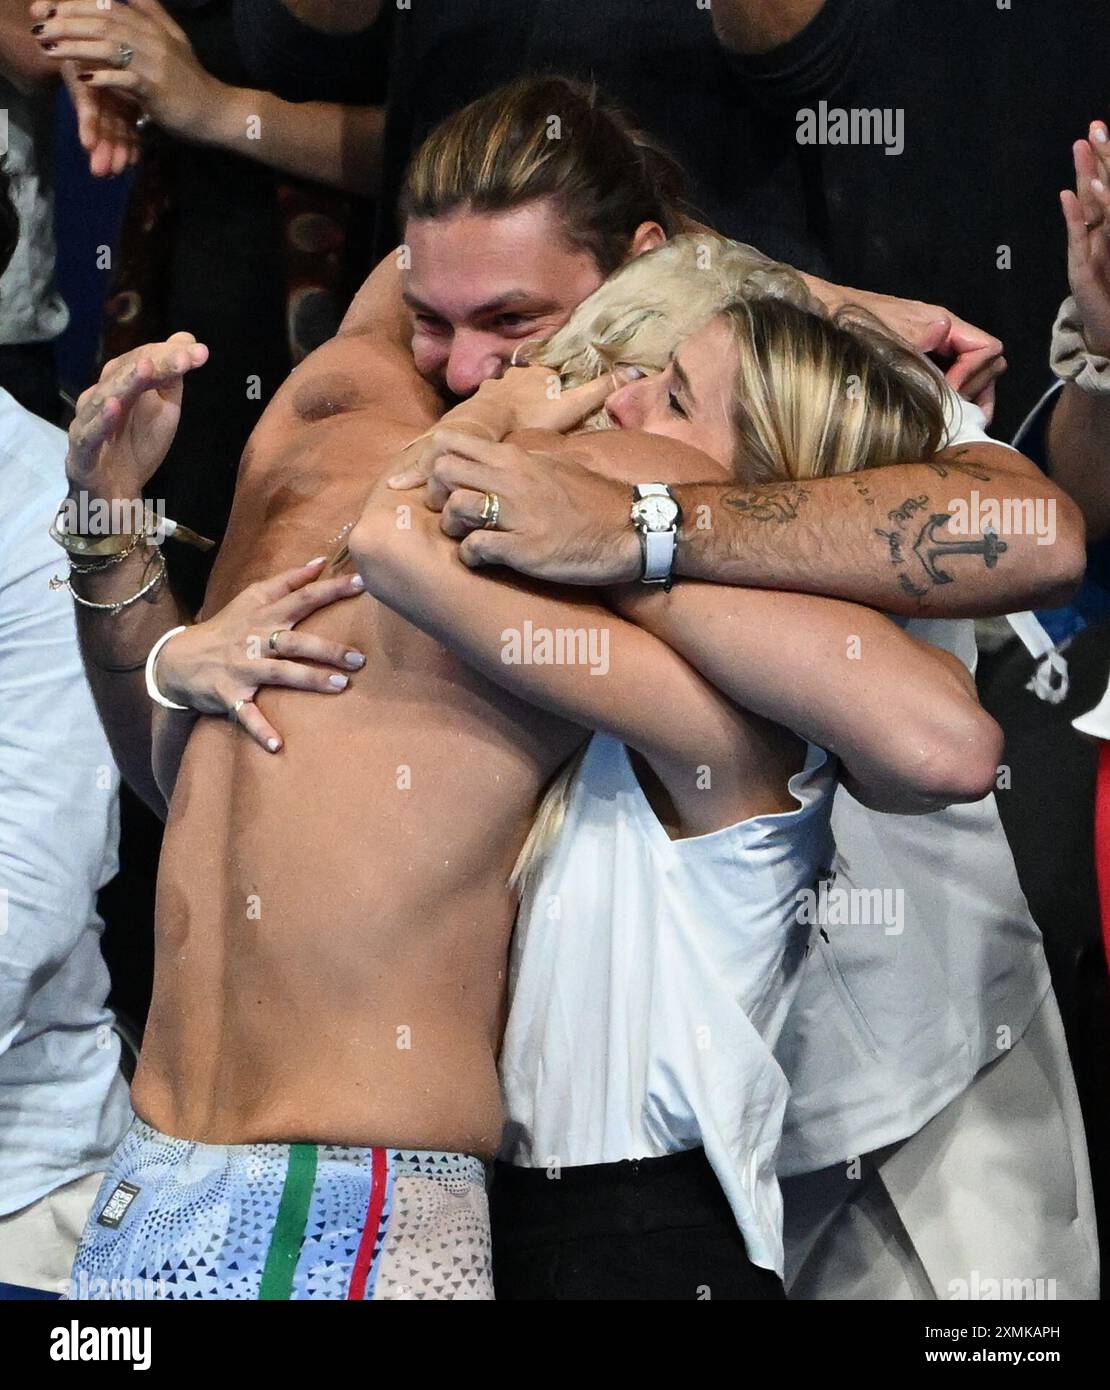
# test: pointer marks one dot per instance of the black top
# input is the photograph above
(658, 58)
(991, 100)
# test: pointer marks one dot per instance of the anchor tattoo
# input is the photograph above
(929, 548)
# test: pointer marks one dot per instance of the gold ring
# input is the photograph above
(233, 712)
(491, 511)
(272, 641)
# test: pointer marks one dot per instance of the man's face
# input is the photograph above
(481, 284)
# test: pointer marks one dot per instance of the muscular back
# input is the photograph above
(332, 921)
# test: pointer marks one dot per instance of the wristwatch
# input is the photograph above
(656, 516)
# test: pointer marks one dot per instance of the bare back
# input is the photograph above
(332, 922)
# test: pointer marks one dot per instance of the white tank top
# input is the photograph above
(649, 981)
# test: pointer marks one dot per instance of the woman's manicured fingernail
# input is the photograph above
(1098, 185)
(340, 682)
(355, 659)
(400, 480)
(319, 560)
(273, 744)
(357, 583)
(1100, 134)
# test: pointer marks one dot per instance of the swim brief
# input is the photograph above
(179, 1219)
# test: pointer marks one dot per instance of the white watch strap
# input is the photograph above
(658, 555)
(151, 688)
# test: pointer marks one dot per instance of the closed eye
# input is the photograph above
(427, 324)
(508, 323)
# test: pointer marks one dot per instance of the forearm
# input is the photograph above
(114, 648)
(1079, 454)
(330, 143)
(758, 26)
(561, 651)
(974, 531)
(902, 716)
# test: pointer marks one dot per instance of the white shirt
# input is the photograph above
(891, 1025)
(649, 980)
(63, 1103)
(893, 1022)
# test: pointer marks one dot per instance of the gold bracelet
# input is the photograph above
(59, 583)
(96, 566)
(101, 547)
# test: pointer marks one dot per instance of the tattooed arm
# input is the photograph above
(975, 530)
(956, 536)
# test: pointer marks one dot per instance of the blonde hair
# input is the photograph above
(814, 395)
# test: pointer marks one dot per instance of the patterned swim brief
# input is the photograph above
(178, 1219)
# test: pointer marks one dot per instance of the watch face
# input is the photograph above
(656, 513)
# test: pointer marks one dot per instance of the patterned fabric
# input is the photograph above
(176, 1219)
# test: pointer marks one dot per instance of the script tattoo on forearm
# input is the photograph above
(901, 515)
(955, 463)
(894, 540)
(862, 488)
(772, 503)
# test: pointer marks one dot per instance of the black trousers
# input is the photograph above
(653, 1228)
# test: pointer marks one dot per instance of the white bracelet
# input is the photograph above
(152, 689)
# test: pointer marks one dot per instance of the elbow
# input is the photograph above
(1064, 557)
(960, 764)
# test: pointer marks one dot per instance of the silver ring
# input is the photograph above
(272, 640)
(124, 54)
(145, 121)
(491, 511)
(233, 712)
